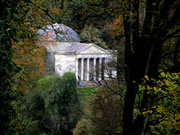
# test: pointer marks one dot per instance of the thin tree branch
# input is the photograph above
(173, 34)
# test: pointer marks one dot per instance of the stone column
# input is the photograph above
(87, 69)
(100, 68)
(103, 68)
(77, 69)
(94, 68)
(107, 73)
(82, 68)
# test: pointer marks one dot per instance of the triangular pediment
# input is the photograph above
(93, 49)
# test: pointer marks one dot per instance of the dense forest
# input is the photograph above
(144, 99)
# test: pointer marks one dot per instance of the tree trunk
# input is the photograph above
(135, 74)
(143, 50)
(128, 109)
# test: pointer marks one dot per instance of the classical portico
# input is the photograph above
(90, 68)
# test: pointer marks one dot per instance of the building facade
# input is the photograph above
(86, 60)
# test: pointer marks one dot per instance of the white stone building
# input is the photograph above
(86, 60)
(65, 53)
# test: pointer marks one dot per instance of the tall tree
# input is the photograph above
(8, 29)
(28, 54)
(78, 13)
(147, 25)
(30, 58)
(15, 20)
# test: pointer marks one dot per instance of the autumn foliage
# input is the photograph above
(30, 58)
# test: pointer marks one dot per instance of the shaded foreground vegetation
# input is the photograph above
(52, 108)
(103, 111)
(56, 107)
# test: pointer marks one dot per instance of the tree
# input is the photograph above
(16, 18)
(28, 55)
(70, 101)
(21, 122)
(54, 104)
(91, 34)
(30, 58)
(144, 38)
(72, 14)
(9, 26)
(170, 61)
(103, 112)
(79, 13)
(162, 115)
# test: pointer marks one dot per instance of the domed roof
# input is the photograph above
(58, 32)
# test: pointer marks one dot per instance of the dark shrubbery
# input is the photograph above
(103, 113)
(53, 105)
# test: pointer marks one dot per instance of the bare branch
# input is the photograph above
(173, 34)
(46, 11)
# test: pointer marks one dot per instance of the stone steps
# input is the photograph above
(88, 84)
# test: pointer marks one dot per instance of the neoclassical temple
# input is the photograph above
(86, 60)
(65, 53)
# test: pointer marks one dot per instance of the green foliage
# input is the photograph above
(17, 19)
(78, 13)
(84, 94)
(52, 108)
(69, 79)
(170, 61)
(71, 14)
(69, 93)
(48, 83)
(20, 124)
(102, 113)
(91, 34)
(164, 113)
(8, 31)
(99, 12)
(87, 92)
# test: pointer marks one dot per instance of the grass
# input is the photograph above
(85, 93)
